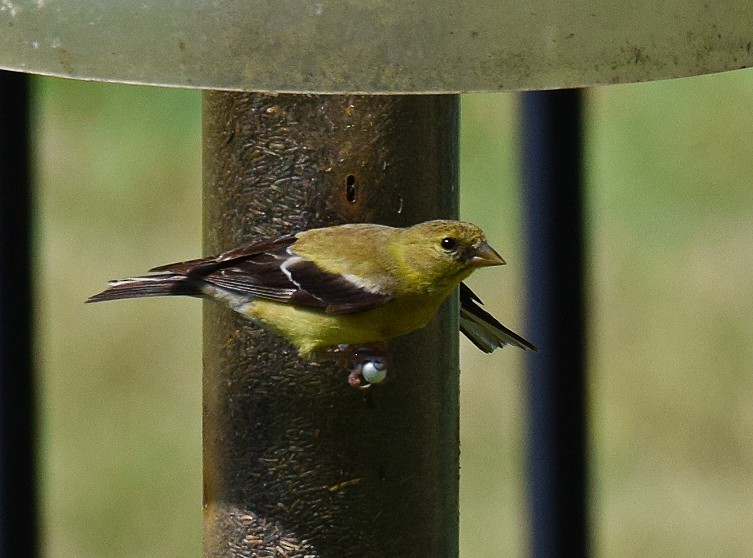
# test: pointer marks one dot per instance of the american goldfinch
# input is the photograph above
(354, 285)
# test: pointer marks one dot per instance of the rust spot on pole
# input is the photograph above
(296, 463)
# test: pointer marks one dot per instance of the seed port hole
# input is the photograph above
(350, 188)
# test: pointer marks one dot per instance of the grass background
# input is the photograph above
(669, 171)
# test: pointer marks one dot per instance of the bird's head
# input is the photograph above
(446, 252)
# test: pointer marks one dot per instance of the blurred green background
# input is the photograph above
(670, 282)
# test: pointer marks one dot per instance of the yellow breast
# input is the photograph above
(312, 330)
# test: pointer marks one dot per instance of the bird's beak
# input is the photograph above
(486, 255)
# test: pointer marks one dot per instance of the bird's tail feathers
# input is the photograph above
(168, 284)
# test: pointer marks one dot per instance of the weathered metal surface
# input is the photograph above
(348, 46)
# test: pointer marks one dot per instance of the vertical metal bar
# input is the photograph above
(294, 459)
(552, 159)
(18, 510)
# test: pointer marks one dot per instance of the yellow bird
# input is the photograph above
(356, 284)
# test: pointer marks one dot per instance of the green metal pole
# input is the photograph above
(297, 463)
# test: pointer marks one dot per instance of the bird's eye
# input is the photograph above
(449, 243)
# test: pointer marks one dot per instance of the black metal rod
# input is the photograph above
(552, 165)
(18, 502)
(296, 462)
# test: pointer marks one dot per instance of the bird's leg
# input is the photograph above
(368, 364)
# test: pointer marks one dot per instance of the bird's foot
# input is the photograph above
(368, 364)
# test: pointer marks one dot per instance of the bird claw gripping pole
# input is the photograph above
(369, 367)
(368, 364)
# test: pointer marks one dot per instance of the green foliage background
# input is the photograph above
(670, 282)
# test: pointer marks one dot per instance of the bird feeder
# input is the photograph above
(318, 113)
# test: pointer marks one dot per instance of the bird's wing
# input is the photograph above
(482, 328)
(271, 271)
